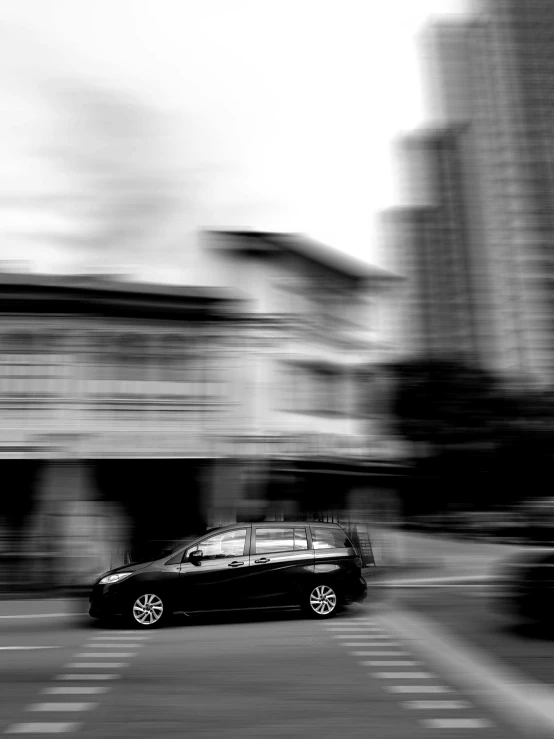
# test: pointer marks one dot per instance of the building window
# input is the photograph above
(31, 364)
(131, 359)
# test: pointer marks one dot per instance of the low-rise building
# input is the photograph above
(312, 422)
(136, 414)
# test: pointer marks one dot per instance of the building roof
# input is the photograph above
(104, 295)
(266, 242)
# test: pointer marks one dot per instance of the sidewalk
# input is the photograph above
(515, 697)
(446, 556)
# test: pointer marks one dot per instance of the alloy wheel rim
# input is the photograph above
(323, 600)
(148, 609)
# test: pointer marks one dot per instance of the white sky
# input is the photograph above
(271, 114)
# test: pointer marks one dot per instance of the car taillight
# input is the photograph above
(358, 562)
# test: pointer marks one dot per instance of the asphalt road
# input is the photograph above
(271, 675)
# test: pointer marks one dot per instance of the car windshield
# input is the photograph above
(155, 550)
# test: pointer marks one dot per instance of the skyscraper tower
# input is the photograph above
(432, 240)
(493, 74)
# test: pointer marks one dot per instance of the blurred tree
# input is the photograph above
(477, 443)
(445, 404)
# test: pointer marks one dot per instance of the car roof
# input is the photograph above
(241, 524)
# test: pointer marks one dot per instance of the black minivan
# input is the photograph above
(313, 566)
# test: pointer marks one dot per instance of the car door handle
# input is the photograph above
(261, 561)
(236, 564)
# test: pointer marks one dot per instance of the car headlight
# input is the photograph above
(114, 578)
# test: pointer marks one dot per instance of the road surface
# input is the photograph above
(270, 675)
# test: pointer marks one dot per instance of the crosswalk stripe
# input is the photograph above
(43, 727)
(101, 655)
(404, 675)
(370, 644)
(436, 705)
(415, 688)
(62, 707)
(76, 690)
(108, 645)
(390, 663)
(456, 723)
(378, 653)
(360, 636)
(116, 637)
(92, 665)
(94, 676)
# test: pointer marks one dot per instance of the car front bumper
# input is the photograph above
(105, 601)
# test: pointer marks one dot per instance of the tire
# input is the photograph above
(321, 601)
(147, 611)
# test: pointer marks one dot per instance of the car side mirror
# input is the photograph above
(196, 556)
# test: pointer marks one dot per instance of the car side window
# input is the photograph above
(225, 544)
(274, 539)
(300, 539)
(324, 538)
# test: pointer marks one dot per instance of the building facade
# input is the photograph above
(432, 244)
(137, 414)
(113, 398)
(492, 75)
(313, 419)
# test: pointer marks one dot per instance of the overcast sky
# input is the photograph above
(128, 123)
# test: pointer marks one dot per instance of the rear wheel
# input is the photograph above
(148, 611)
(321, 602)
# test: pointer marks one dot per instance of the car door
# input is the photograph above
(217, 579)
(281, 562)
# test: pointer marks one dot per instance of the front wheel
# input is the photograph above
(321, 602)
(147, 611)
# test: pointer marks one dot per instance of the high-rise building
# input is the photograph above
(492, 74)
(433, 243)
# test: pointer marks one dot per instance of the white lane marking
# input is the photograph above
(43, 728)
(360, 636)
(92, 665)
(436, 705)
(370, 644)
(458, 580)
(62, 707)
(76, 690)
(352, 627)
(418, 688)
(44, 615)
(456, 723)
(405, 675)
(101, 645)
(469, 588)
(101, 655)
(390, 663)
(116, 637)
(16, 648)
(95, 676)
(370, 633)
(377, 653)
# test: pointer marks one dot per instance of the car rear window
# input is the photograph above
(324, 538)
